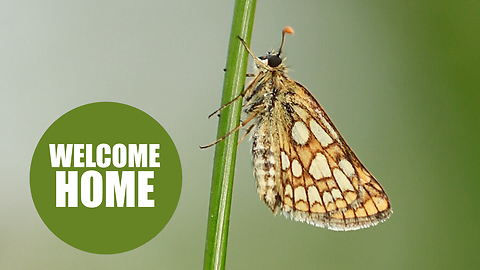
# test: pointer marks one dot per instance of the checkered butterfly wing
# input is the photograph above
(319, 180)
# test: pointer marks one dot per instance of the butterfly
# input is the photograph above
(303, 167)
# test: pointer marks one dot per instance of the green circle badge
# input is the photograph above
(105, 178)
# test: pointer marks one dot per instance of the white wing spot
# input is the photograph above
(346, 167)
(336, 194)
(296, 168)
(302, 113)
(319, 167)
(300, 133)
(313, 195)
(288, 191)
(342, 180)
(320, 133)
(329, 127)
(327, 198)
(300, 194)
(285, 161)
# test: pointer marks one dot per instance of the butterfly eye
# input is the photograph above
(274, 60)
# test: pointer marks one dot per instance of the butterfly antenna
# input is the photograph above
(286, 30)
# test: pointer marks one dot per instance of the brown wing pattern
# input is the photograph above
(321, 181)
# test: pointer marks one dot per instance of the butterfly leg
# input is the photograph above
(244, 123)
(246, 133)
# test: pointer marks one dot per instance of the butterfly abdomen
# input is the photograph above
(265, 165)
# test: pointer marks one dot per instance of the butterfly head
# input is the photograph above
(272, 58)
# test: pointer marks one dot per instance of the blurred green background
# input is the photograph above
(400, 79)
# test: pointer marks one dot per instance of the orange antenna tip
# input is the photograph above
(288, 30)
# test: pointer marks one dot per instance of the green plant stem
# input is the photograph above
(226, 150)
